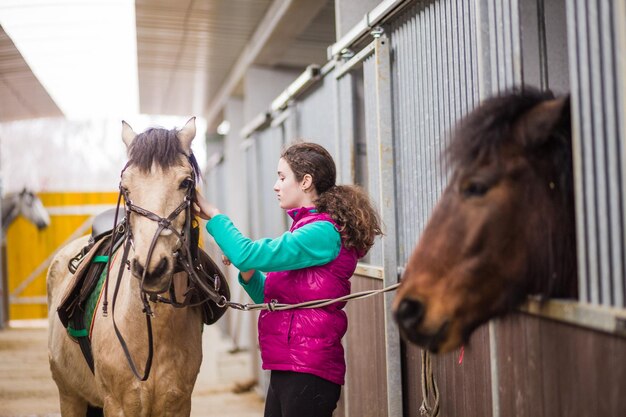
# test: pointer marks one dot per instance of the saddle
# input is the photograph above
(88, 264)
(77, 307)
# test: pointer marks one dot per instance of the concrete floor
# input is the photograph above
(27, 389)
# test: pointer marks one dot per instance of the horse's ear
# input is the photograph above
(186, 135)
(128, 134)
(537, 125)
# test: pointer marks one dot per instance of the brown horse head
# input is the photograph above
(503, 228)
(158, 177)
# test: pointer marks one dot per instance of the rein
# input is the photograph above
(183, 256)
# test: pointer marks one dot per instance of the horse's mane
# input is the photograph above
(158, 146)
(481, 134)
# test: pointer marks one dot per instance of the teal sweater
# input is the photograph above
(314, 244)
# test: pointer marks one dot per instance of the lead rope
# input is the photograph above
(275, 306)
(428, 384)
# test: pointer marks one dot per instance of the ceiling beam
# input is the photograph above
(21, 94)
(284, 20)
(296, 21)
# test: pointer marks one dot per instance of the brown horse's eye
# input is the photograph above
(186, 184)
(475, 189)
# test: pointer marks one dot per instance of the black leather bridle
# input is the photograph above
(184, 260)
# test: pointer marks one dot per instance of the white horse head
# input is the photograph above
(27, 204)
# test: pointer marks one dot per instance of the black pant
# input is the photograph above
(295, 394)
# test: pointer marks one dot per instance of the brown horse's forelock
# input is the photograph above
(158, 146)
(479, 137)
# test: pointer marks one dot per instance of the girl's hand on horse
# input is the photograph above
(203, 208)
(225, 260)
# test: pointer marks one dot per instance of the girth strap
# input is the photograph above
(83, 339)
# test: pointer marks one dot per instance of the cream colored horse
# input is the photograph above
(156, 178)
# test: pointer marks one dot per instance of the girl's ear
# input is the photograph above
(307, 182)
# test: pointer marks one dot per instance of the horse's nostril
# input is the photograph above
(158, 271)
(160, 268)
(137, 268)
(409, 314)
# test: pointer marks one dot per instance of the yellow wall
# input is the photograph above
(27, 247)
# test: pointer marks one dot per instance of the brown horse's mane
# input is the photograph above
(158, 146)
(481, 137)
(482, 133)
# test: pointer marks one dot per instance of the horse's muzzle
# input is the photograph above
(409, 315)
(157, 280)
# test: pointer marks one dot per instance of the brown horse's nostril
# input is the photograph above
(409, 315)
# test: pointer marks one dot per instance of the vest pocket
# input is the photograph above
(290, 319)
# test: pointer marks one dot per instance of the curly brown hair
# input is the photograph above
(348, 205)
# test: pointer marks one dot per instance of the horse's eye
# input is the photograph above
(186, 184)
(475, 189)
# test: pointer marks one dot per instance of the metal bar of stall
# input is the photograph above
(618, 18)
(590, 243)
(516, 43)
(601, 197)
(577, 150)
(388, 215)
(614, 162)
(372, 149)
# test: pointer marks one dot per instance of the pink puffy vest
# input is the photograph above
(307, 340)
